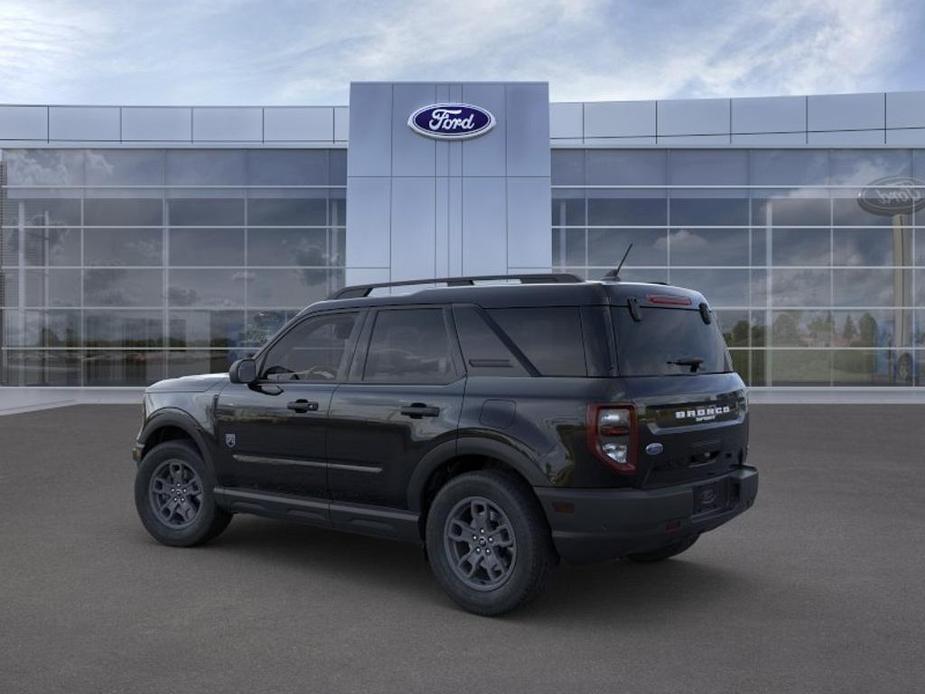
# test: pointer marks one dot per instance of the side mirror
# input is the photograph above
(243, 371)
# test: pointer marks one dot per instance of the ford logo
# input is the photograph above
(893, 195)
(451, 121)
(654, 449)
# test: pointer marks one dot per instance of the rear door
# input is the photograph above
(273, 432)
(402, 399)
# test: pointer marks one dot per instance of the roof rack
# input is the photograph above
(357, 291)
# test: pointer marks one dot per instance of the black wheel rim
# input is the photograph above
(176, 494)
(479, 542)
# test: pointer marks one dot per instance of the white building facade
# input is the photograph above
(145, 242)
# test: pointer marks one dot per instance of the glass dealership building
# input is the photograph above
(140, 243)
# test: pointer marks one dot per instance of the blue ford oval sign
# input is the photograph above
(451, 121)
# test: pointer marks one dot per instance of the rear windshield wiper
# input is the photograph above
(693, 362)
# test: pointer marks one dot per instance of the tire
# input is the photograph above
(666, 552)
(523, 555)
(189, 518)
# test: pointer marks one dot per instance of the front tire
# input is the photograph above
(174, 496)
(488, 542)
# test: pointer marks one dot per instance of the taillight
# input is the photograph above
(612, 435)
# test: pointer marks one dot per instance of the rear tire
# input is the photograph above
(488, 542)
(174, 496)
(666, 552)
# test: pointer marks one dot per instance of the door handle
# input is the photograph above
(302, 406)
(416, 410)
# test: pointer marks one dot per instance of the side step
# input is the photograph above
(376, 521)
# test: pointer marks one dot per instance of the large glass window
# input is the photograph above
(410, 346)
(123, 266)
(819, 286)
(314, 350)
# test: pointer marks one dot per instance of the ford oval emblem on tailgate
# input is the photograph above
(654, 448)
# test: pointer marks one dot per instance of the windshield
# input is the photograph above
(668, 341)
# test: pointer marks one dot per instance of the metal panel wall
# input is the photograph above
(419, 207)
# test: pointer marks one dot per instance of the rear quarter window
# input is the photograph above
(550, 338)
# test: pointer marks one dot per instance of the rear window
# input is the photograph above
(550, 338)
(668, 342)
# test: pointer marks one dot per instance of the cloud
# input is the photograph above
(297, 52)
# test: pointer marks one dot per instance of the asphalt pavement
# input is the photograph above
(819, 588)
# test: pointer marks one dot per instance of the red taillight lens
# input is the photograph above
(612, 436)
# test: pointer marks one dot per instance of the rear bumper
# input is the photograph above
(597, 524)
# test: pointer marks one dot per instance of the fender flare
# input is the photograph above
(170, 417)
(444, 452)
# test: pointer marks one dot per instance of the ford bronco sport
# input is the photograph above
(503, 427)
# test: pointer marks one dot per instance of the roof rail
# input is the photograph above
(357, 291)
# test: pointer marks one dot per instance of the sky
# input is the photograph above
(287, 52)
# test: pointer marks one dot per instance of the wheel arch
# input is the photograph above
(454, 458)
(172, 425)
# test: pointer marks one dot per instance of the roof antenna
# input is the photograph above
(614, 275)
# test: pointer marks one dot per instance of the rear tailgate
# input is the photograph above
(690, 428)
(690, 406)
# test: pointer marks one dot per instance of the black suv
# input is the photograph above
(501, 426)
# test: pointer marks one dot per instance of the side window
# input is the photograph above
(483, 350)
(550, 338)
(409, 346)
(314, 350)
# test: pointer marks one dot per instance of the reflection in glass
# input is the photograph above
(206, 328)
(790, 208)
(720, 287)
(123, 247)
(873, 328)
(798, 367)
(708, 167)
(282, 247)
(206, 167)
(120, 328)
(219, 288)
(707, 211)
(800, 247)
(118, 287)
(202, 247)
(42, 209)
(610, 208)
(801, 328)
(52, 288)
(124, 211)
(872, 287)
(268, 167)
(288, 211)
(51, 329)
(734, 326)
(800, 287)
(113, 167)
(568, 208)
(52, 246)
(607, 246)
(41, 368)
(291, 288)
(708, 247)
(44, 167)
(872, 247)
(129, 368)
(626, 167)
(206, 211)
(882, 367)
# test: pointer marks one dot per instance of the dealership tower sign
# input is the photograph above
(451, 121)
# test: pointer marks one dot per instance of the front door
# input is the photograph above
(402, 399)
(273, 432)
